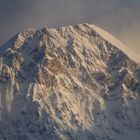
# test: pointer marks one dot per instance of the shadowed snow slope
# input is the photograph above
(70, 83)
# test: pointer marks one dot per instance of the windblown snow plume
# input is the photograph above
(71, 83)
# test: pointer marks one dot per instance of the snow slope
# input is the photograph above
(133, 55)
(70, 83)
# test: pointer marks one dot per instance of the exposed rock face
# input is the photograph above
(67, 84)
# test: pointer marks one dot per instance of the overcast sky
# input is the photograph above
(120, 17)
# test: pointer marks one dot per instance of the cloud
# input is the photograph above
(120, 17)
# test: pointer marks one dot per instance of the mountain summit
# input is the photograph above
(70, 83)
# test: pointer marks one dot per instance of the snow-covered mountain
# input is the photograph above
(72, 83)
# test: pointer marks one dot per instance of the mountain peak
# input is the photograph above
(73, 82)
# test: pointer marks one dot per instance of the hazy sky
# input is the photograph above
(120, 17)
